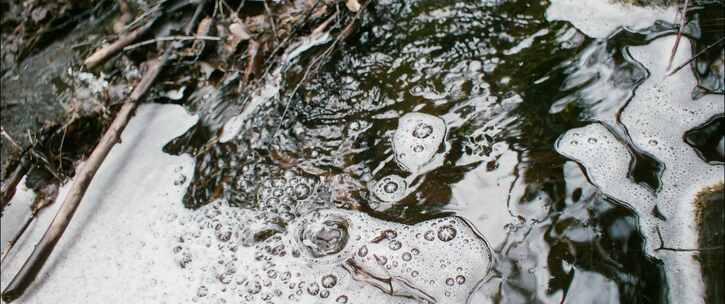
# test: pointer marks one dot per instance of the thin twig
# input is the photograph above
(10, 139)
(104, 53)
(683, 21)
(703, 51)
(170, 38)
(316, 63)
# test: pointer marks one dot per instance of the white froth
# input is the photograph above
(112, 251)
(417, 139)
(656, 120)
(599, 18)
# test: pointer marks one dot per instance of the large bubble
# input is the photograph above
(417, 139)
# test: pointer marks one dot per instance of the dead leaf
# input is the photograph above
(239, 30)
(352, 5)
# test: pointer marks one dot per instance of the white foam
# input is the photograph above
(112, 250)
(656, 119)
(417, 139)
(599, 18)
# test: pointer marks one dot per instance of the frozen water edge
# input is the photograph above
(110, 251)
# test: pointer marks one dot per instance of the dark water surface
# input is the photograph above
(506, 84)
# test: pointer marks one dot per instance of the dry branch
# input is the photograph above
(83, 178)
(102, 54)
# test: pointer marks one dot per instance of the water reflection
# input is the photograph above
(507, 84)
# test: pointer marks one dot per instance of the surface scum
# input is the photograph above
(453, 152)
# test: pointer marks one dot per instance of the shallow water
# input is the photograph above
(451, 152)
(501, 83)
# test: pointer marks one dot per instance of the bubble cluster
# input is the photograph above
(656, 119)
(391, 188)
(328, 256)
(416, 140)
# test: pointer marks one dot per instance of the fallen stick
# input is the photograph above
(171, 38)
(46, 196)
(83, 178)
(11, 182)
(102, 54)
(679, 35)
(703, 51)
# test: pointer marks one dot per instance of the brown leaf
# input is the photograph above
(352, 5)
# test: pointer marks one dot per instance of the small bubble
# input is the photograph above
(450, 281)
(460, 279)
(313, 288)
(363, 251)
(446, 233)
(653, 142)
(395, 245)
(429, 235)
(202, 292)
(422, 130)
(592, 140)
(407, 256)
(418, 148)
(329, 281)
(390, 187)
(341, 299)
(324, 294)
(415, 251)
(302, 191)
(414, 273)
(574, 142)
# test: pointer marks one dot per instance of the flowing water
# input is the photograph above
(459, 152)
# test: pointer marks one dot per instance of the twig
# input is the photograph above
(703, 51)
(102, 54)
(683, 20)
(316, 62)
(11, 182)
(47, 196)
(10, 139)
(171, 38)
(83, 178)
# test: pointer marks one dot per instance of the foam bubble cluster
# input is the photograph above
(330, 256)
(656, 119)
(417, 139)
(390, 188)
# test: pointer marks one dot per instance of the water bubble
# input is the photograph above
(324, 294)
(363, 251)
(407, 256)
(446, 233)
(429, 235)
(302, 191)
(395, 245)
(416, 140)
(341, 299)
(422, 130)
(326, 237)
(253, 287)
(460, 279)
(450, 281)
(329, 281)
(592, 140)
(313, 288)
(390, 188)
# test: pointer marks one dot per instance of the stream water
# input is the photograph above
(451, 152)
